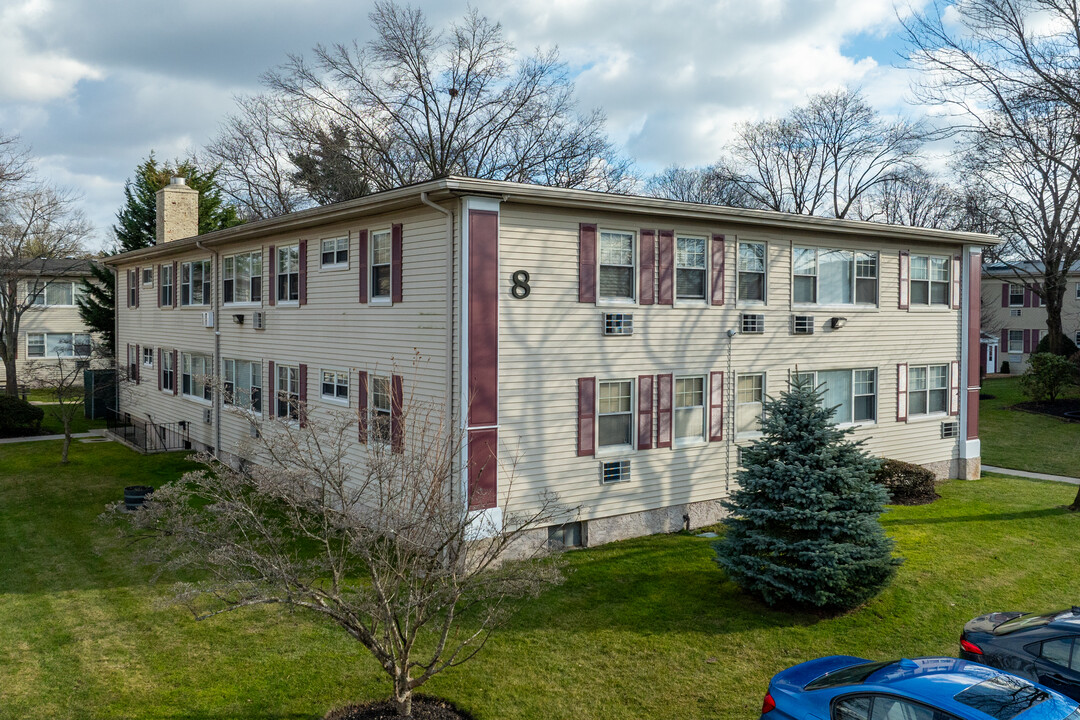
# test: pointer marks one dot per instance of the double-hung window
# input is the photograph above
(929, 280)
(148, 276)
(148, 357)
(1016, 295)
(928, 389)
(243, 384)
(749, 401)
(54, 293)
(689, 408)
(168, 372)
(166, 286)
(242, 278)
(58, 345)
(196, 376)
(335, 386)
(690, 268)
(752, 271)
(852, 392)
(382, 255)
(380, 409)
(615, 417)
(288, 273)
(288, 392)
(35, 293)
(1016, 342)
(133, 290)
(616, 271)
(195, 279)
(35, 345)
(335, 253)
(834, 277)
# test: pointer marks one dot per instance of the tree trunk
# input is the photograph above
(11, 384)
(403, 694)
(1075, 507)
(1053, 296)
(67, 441)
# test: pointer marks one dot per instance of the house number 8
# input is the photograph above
(521, 288)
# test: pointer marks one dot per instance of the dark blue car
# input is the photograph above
(842, 687)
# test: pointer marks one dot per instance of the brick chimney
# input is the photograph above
(177, 211)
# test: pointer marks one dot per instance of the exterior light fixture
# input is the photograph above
(838, 322)
(238, 319)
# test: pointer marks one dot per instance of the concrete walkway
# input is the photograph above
(36, 438)
(1032, 475)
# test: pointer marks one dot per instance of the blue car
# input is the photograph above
(841, 687)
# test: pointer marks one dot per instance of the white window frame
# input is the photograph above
(1021, 288)
(622, 448)
(634, 264)
(760, 403)
(168, 372)
(188, 269)
(230, 268)
(739, 300)
(166, 284)
(930, 282)
(381, 416)
(70, 342)
(290, 388)
(336, 378)
(702, 436)
(43, 293)
(43, 345)
(1078, 291)
(1019, 342)
(230, 369)
(374, 295)
(337, 250)
(187, 370)
(911, 391)
(855, 277)
(280, 271)
(147, 356)
(148, 276)
(815, 381)
(704, 269)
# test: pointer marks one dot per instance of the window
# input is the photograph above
(752, 271)
(380, 408)
(242, 278)
(335, 386)
(615, 417)
(564, 536)
(834, 277)
(35, 293)
(195, 281)
(335, 252)
(1078, 291)
(56, 293)
(288, 392)
(928, 389)
(929, 280)
(168, 372)
(243, 384)
(689, 408)
(195, 380)
(148, 276)
(1016, 342)
(166, 286)
(1061, 652)
(892, 708)
(616, 266)
(133, 290)
(133, 364)
(381, 257)
(35, 345)
(148, 356)
(1016, 295)
(288, 273)
(690, 268)
(852, 708)
(750, 396)
(58, 345)
(852, 392)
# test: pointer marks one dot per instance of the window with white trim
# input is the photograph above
(55, 293)
(243, 384)
(928, 390)
(168, 372)
(834, 277)
(35, 345)
(241, 278)
(852, 392)
(1016, 295)
(1016, 342)
(335, 253)
(382, 255)
(166, 286)
(752, 271)
(380, 409)
(615, 416)
(133, 363)
(195, 279)
(196, 376)
(689, 411)
(148, 276)
(335, 386)
(148, 357)
(133, 288)
(288, 392)
(288, 273)
(690, 261)
(1078, 291)
(58, 345)
(749, 402)
(616, 271)
(929, 280)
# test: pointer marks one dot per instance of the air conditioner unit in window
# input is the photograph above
(950, 429)
(208, 318)
(258, 320)
(208, 416)
(753, 323)
(614, 471)
(618, 323)
(802, 324)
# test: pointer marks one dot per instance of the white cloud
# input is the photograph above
(33, 74)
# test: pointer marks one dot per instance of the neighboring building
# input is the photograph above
(617, 348)
(1016, 314)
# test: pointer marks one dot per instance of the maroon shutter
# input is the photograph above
(1004, 341)
(718, 247)
(272, 394)
(395, 262)
(587, 266)
(159, 370)
(1027, 296)
(127, 291)
(901, 392)
(954, 387)
(663, 411)
(1005, 295)
(397, 412)
(159, 271)
(303, 394)
(361, 406)
(176, 367)
(956, 282)
(666, 268)
(586, 416)
(1027, 341)
(646, 293)
(175, 286)
(138, 285)
(303, 272)
(716, 406)
(645, 412)
(905, 280)
(273, 275)
(361, 263)
(138, 364)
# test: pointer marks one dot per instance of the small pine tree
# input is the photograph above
(804, 525)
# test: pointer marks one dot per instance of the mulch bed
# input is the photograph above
(424, 707)
(1057, 409)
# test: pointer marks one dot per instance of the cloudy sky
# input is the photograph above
(95, 86)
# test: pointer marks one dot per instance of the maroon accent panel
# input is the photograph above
(270, 384)
(176, 369)
(175, 286)
(483, 468)
(158, 293)
(586, 416)
(395, 261)
(1027, 341)
(1004, 295)
(587, 262)
(718, 255)
(361, 263)
(666, 268)
(138, 364)
(1027, 297)
(974, 308)
(901, 392)
(397, 414)
(159, 369)
(663, 410)
(362, 406)
(1004, 346)
(646, 293)
(716, 406)
(645, 412)
(273, 275)
(483, 317)
(138, 286)
(303, 394)
(303, 273)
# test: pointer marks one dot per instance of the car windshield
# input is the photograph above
(847, 676)
(1028, 621)
(1002, 697)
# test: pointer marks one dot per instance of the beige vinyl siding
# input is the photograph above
(998, 318)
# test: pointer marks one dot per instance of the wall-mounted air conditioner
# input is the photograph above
(258, 320)
(208, 416)
(208, 318)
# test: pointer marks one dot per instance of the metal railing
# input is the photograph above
(145, 435)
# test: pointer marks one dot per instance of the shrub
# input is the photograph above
(18, 417)
(1005, 367)
(906, 482)
(1047, 376)
(1068, 347)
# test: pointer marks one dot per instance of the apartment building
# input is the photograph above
(1014, 313)
(613, 349)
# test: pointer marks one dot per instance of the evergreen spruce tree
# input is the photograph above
(804, 524)
(136, 227)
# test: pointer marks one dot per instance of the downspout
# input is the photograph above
(449, 315)
(217, 349)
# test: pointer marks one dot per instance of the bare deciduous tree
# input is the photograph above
(712, 185)
(913, 197)
(62, 376)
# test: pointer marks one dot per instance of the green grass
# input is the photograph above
(647, 628)
(51, 424)
(1025, 441)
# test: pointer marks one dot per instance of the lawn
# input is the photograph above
(51, 424)
(1022, 440)
(641, 629)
